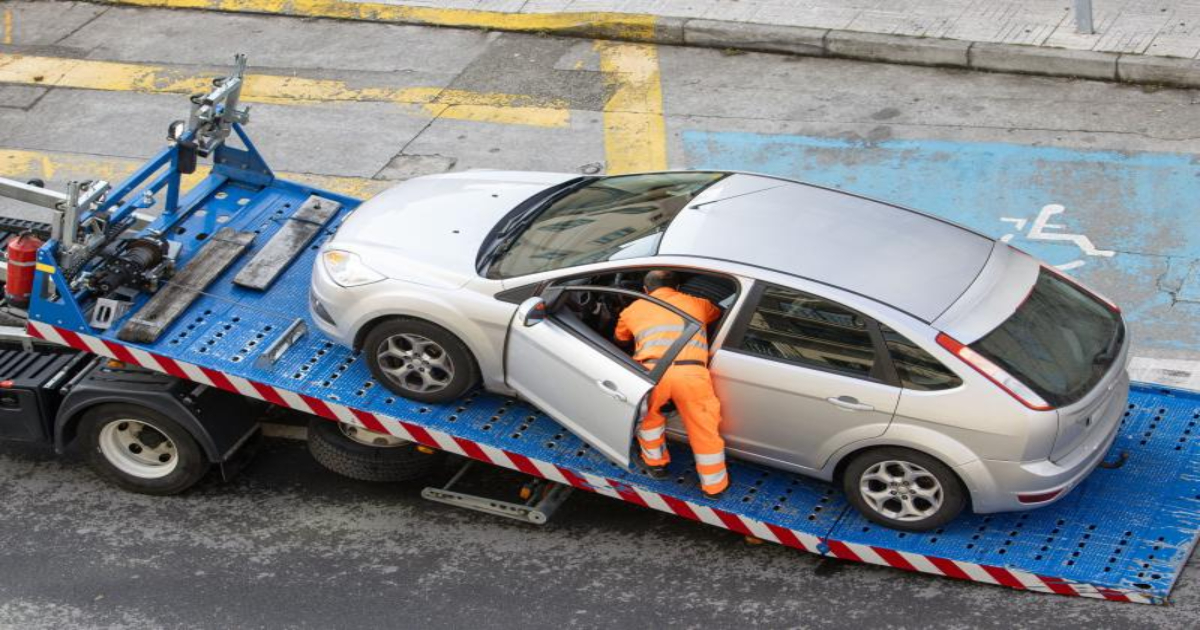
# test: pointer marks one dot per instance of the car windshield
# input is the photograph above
(1060, 342)
(610, 218)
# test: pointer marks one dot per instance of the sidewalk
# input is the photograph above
(1136, 41)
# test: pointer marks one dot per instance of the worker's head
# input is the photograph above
(660, 278)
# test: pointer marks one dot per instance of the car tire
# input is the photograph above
(903, 489)
(435, 365)
(353, 452)
(141, 450)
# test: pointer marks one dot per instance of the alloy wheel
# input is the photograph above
(415, 363)
(901, 490)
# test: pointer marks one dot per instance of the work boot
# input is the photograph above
(716, 495)
(655, 472)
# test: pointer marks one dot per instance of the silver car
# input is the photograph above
(919, 364)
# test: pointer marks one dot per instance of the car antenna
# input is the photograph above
(752, 192)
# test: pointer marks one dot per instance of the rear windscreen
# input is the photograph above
(1060, 342)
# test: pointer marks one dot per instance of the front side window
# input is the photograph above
(607, 219)
(809, 330)
(916, 368)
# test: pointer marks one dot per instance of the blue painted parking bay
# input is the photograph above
(1125, 534)
(1122, 221)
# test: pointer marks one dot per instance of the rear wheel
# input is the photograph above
(141, 450)
(420, 361)
(365, 455)
(903, 489)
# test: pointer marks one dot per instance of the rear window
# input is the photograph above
(1060, 342)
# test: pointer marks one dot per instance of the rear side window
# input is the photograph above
(1060, 342)
(916, 368)
(800, 328)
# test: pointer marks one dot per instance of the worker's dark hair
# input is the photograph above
(660, 278)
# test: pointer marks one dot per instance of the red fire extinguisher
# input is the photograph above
(22, 258)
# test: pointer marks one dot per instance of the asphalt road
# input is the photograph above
(354, 106)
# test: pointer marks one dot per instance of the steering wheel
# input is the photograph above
(626, 281)
(580, 301)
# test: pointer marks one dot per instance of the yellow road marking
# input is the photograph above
(22, 165)
(635, 133)
(87, 74)
(627, 26)
(8, 26)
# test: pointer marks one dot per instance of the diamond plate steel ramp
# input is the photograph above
(1123, 535)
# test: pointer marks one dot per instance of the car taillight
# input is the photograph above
(994, 373)
(1040, 497)
(1083, 287)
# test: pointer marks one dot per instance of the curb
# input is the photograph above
(740, 36)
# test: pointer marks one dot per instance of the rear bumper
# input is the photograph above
(999, 486)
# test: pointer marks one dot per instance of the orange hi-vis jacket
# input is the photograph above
(653, 329)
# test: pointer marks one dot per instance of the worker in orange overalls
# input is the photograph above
(687, 382)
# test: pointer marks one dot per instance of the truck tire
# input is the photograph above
(367, 456)
(141, 450)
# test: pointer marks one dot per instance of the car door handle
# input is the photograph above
(610, 388)
(849, 402)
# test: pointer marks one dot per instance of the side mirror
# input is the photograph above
(532, 311)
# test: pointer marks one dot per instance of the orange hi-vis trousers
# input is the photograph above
(690, 386)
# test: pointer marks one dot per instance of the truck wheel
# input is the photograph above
(420, 361)
(903, 489)
(365, 455)
(141, 450)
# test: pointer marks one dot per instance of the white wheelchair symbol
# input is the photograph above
(1041, 231)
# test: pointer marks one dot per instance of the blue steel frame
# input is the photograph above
(57, 304)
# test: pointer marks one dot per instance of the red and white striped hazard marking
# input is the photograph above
(585, 481)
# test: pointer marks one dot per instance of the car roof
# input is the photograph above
(911, 261)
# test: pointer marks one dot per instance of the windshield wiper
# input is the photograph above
(504, 235)
(1111, 350)
(524, 215)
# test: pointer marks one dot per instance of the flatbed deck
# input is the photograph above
(1125, 534)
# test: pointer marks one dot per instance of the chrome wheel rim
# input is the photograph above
(415, 363)
(138, 448)
(370, 438)
(901, 490)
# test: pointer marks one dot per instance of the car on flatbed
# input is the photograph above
(923, 366)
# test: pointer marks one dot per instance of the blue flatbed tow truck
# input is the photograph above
(1125, 534)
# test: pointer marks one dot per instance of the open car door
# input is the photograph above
(577, 377)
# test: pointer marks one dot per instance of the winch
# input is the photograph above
(137, 263)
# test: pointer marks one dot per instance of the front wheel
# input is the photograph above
(141, 450)
(903, 489)
(420, 361)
